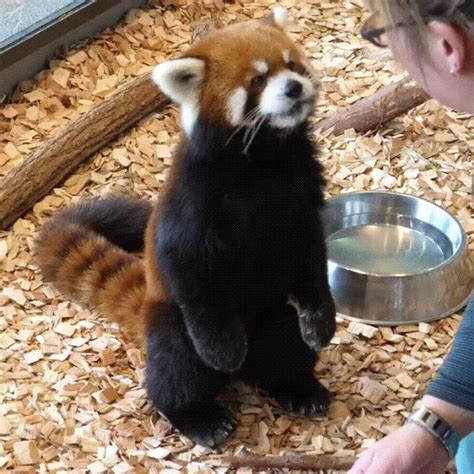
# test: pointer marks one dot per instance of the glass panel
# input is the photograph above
(20, 18)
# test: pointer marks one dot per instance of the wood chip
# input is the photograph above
(11, 150)
(9, 112)
(26, 453)
(33, 357)
(372, 390)
(107, 357)
(362, 329)
(5, 426)
(425, 328)
(65, 329)
(61, 76)
(339, 411)
(405, 380)
(6, 341)
(158, 453)
(15, 295)
(77, 58)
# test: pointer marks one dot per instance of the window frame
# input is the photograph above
(23, 60)
(49, 32)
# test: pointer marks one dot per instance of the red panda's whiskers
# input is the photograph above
(248, 132)
(251, 116)
(250, 128)
(236, 131)
(311, 76)
(256, 129)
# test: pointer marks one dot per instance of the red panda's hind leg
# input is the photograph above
(207, 424)
(280, 363)
(179, 384)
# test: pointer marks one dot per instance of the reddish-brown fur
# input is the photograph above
(244, 43)
(86, 267)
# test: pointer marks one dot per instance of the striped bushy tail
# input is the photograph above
(84, 251)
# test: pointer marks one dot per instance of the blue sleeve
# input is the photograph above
(455, 382)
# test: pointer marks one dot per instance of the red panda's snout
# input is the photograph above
(287, 99)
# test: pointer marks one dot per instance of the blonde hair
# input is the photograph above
(418, 12)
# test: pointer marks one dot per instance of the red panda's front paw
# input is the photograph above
(318, 325)
(220, 341)
(223, 354)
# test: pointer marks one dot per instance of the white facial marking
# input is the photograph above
(181, 80)
(291, 121)
(280, 15)
(284, 111)
(286, 56)
(261, 66)
(189, 116)
(236, 106)
(311, 73)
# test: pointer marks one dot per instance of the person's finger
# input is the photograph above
(379, 466)
(373, 462)
(432, 470)
(362, 463)
(436, 466)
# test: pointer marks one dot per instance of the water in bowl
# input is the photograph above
(386, 249)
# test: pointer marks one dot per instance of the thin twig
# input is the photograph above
(292, 462)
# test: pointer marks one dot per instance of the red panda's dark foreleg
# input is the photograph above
(210, 316)
(311, 295)
(218, 335)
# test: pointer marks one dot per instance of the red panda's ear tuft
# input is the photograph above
(180, 79)
(278, 17)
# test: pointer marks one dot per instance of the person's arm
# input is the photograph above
(455, 382)
(451, 396)
(460, 419)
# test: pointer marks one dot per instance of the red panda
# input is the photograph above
(234, 280)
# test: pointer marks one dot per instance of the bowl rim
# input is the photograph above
(459, 252)
(393, 323)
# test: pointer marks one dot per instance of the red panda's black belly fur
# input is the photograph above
(237, 235)
(245, 220)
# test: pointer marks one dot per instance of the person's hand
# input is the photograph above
(408, 450)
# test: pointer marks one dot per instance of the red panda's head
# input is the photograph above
(241, 75)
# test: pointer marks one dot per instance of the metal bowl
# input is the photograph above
(395, 259)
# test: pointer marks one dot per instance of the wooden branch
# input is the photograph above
(56, 158)
(288, 461)
(47, 167)
(372, 112)
(295, 462)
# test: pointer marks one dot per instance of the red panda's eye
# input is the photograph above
(291, 65)
(259, 80)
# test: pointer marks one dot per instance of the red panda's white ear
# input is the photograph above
(180, 79)
(278, 17)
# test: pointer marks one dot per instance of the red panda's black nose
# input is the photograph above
(293, 89)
